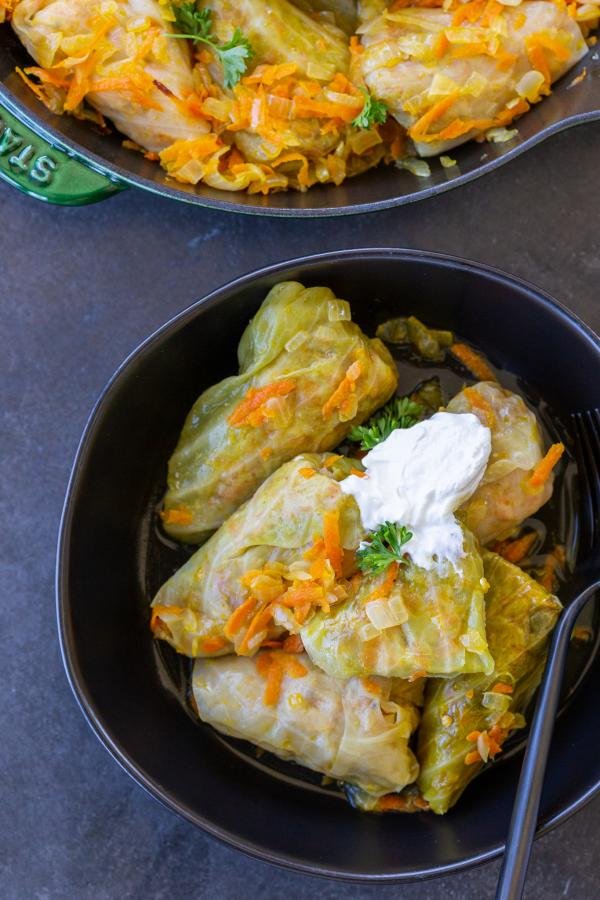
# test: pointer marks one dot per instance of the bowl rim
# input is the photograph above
(68, 644)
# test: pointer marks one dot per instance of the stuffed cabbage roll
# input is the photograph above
(424, 623)
(355, 731)
(274, 561)
(518, 479)
(466, 720)
(307, 376)
(449, 75)
(118, 58)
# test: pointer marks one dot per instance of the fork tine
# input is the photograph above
(587, 433)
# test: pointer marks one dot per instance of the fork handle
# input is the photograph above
(527, 801)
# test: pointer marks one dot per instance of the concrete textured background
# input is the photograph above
(78, 290)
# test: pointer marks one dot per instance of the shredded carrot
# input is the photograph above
(273, 666)
(330, 460)
(161, 610)
(502, 688)
(516, 550)
(306, 472)
(251, 410)
(543, 469)
(356, 48)
(372, 687)
(432, 115)
(472, 757)
(390, 802)
(331, 538)
(479, 403)
(440, 48)
(386, 585)
(177, 516)
(259, 623)
(293, 644)
(552, 565)
(344, 394)
(472, 737)
(213, 644)
(360, 473)
(238, 617)
(473, 361)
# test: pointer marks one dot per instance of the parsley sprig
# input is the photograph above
(383, 548)
(401, 412)
(196, 25)
(374, 112)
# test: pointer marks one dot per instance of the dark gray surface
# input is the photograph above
(79, 289)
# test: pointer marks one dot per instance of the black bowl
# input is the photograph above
(110, 560)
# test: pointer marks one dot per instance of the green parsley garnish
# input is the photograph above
(196, 25)
(374, 112)
(401, 412)
(383, 548)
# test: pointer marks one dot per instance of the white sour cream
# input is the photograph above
(418, 477)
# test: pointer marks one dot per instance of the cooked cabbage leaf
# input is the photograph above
(307, 375)
(272, 530)
(356, 731)
(505, 497)
(448, 78)
(428, 623)
(281, 33)
(91, 46)
(473, 714)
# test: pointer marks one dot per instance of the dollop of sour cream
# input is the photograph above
(418, 477)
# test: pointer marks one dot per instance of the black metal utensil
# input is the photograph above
(525, 811)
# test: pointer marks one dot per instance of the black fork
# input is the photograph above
(586, 429)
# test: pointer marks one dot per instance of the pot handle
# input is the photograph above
(44, 170)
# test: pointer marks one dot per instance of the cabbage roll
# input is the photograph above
(117, 57)
(427, 623)
(307, 376)
(280, 32)
(466, 720)
(356, 731)
(271, 563)
(449, 76)
(506, 495)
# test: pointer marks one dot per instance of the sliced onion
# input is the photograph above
(501, 135)
(338, 311)
(529, 85)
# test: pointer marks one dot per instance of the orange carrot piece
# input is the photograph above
(543, 470)
(345, 388)
(159, 610)
(472, 757)
(482, 405)
(360, 473)
(238, 617)
(306, 472)
(293, 644)
(330, 460)
(176, 516)
(473, 361)
(213, 644)
(472, 737)
(261, 620)
(384, 589)
(331, 538)
(502, 688)
(255, 398)
(515, 551)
